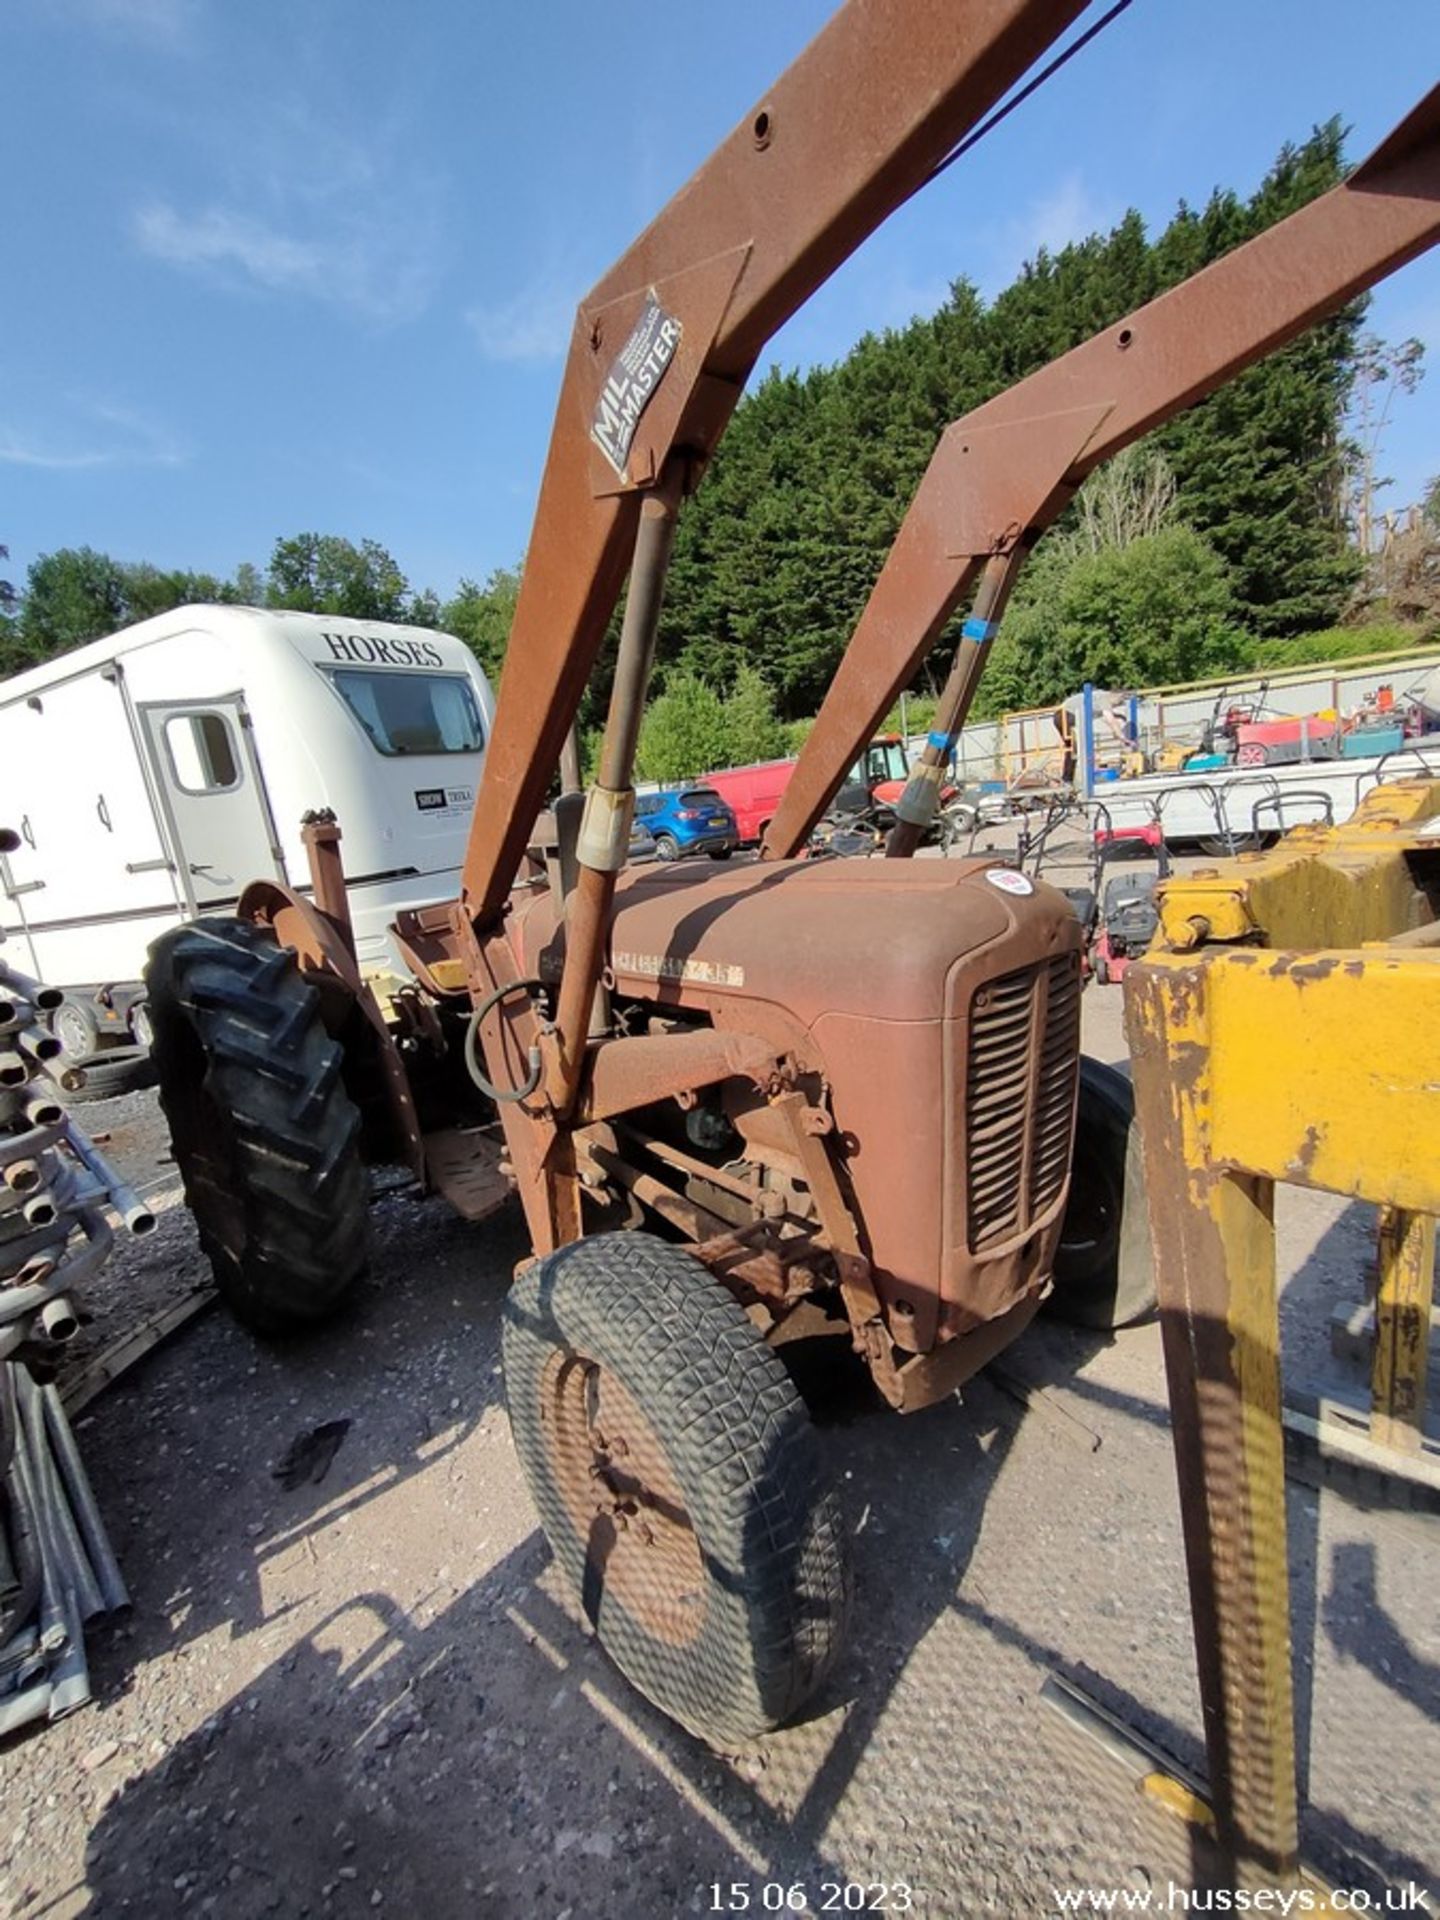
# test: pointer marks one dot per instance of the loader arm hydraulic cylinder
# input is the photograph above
(1002, 474)
(604, 844)
(855, 127)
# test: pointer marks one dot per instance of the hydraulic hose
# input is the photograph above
(472, 1047)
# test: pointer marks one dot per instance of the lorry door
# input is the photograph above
(91, 854)
(12, 916)
(210, 784)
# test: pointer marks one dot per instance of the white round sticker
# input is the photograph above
(1009, 881)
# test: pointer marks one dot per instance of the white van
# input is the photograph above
(154, 774)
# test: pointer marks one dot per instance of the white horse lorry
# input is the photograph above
(153, 774)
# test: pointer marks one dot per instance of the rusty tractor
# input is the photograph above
(791, 1100)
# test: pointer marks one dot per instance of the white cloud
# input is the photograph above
(533, 326)
(367, 260)
(112, 436)
(220, 238)
(307, 212)
(1071, 212)
(165, 23)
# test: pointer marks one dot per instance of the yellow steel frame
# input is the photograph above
(1317, 1064)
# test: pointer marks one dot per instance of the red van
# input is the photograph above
(752, 794)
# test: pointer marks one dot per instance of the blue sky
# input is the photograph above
(273, 267)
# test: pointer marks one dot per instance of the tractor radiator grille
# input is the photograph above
(1020, 1097)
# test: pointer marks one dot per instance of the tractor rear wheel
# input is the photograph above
(1104, 1268)
(679, 1481)
(265, 1136)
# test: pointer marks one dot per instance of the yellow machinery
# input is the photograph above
(1283, 1028)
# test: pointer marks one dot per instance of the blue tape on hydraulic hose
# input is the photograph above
(942, 742)
(979, 631)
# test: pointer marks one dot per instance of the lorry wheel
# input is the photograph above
(678, 1478)
(1104, 1269)
(265, 1136)
(109, 1071)
(77, 1030)
(956, 823)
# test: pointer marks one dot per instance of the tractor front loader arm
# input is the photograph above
(850, 131)
(1002, 474)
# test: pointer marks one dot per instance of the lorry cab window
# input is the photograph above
(202, 752)
(413, 713)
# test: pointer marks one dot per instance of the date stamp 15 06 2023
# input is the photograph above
(795, 1896)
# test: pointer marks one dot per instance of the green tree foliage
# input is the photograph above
(10, 656)
(1260, 465)
(777, 555)
(481, 616)
(1158, 609)
(691, 728)
(753, 729)
(325, 573)
(1336, 643)
(77, 594)
(72, 595)
(683, 732)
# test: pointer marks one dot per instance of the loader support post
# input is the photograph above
(1215, 1278)
(604, 842)
(320, 836)
(1402, 1328)
(1339, 978)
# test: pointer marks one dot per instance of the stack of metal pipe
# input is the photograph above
(57, 1568)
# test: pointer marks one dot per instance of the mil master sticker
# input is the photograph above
(630, 386)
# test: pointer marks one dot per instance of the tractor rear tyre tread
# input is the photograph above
(265, 1136)
(736, 1438)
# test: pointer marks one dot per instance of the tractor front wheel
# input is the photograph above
(679, 1481)
(1104, 1268)
(265, 1136)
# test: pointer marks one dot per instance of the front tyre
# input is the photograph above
(678, 1480)
(1104, 1267)
(265, 1136)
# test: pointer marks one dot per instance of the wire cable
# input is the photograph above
(1031, 86)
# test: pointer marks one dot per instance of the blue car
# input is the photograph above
(691, 820)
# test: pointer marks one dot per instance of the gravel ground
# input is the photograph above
(371, 1693)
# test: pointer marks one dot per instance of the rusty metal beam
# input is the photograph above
(853, 128)
(1001, 475)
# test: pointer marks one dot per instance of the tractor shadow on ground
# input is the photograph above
(493, 1760)
(189, 1474)
(486, 1757)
